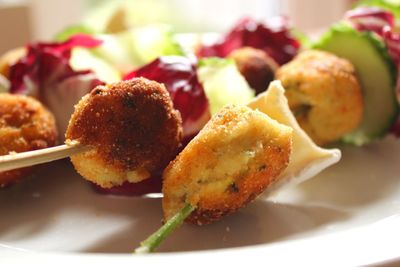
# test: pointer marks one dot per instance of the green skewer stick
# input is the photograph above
(153, 241)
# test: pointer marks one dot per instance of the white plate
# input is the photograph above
(349, 214)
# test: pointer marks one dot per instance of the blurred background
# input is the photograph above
(27, 20)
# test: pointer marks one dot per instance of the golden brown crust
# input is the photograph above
(231, 161)
(256, 66)
(25, 125)
(133, 128)
(323, 93)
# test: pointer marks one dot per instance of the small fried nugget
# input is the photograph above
(323, 93)
(132, 128)
(234, 158)
(25, 125)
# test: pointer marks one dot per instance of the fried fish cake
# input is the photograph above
(323, 93)
(132, 128)
(233, 159)
(25, 125)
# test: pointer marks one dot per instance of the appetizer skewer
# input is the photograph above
(120, 132)
(126, 131)
(234, 158)
(239, 154)
(223, 190)
(35, 157)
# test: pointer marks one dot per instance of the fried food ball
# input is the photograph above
(234, 158)
(323, 93)
(132, 128)
(25, 125)
(256, 66)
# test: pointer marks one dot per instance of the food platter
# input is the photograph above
(351, 208)
(223, 132)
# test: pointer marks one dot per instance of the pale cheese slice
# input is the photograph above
(307, 159)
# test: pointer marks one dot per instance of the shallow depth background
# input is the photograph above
(26, 20)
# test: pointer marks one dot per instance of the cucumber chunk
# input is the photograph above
(377, 76)
(223, 83)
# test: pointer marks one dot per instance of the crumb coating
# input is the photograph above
(233, 159)
(132, 128)
(25, 125)
(324, 94)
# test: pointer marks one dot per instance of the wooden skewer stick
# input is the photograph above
(30, 158)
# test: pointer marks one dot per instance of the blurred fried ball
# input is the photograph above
(25, 125)
(323, 93)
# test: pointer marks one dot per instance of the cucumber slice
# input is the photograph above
(377, 76)
(223, 83)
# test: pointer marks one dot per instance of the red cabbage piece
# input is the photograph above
(179, 76)
(392, 40)
(273, 36)
(45, 73)
(46, 64)
(379, 21)
(370, 19)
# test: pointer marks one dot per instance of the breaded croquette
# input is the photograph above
(323, 93)
(229, 163)
(25, 125)
(132, 128)
(256, 67)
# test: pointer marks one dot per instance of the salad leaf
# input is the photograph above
(379, 21)
(113, 51)
(137, 46)
(145, 44)
(179, 75)
(390, 5)
(45, 72)
(82, 59)
(46, 63)
(273, 36)
(223, 83)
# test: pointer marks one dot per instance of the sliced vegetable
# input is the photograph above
(46, 63)
(376, 73)
(113, 51)
(390, 5)
(137, 46)
(223, 83)
(380, 22)
(82, 60)
(179, 76)
(145, 44)
(46, 73)
(272, 36)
